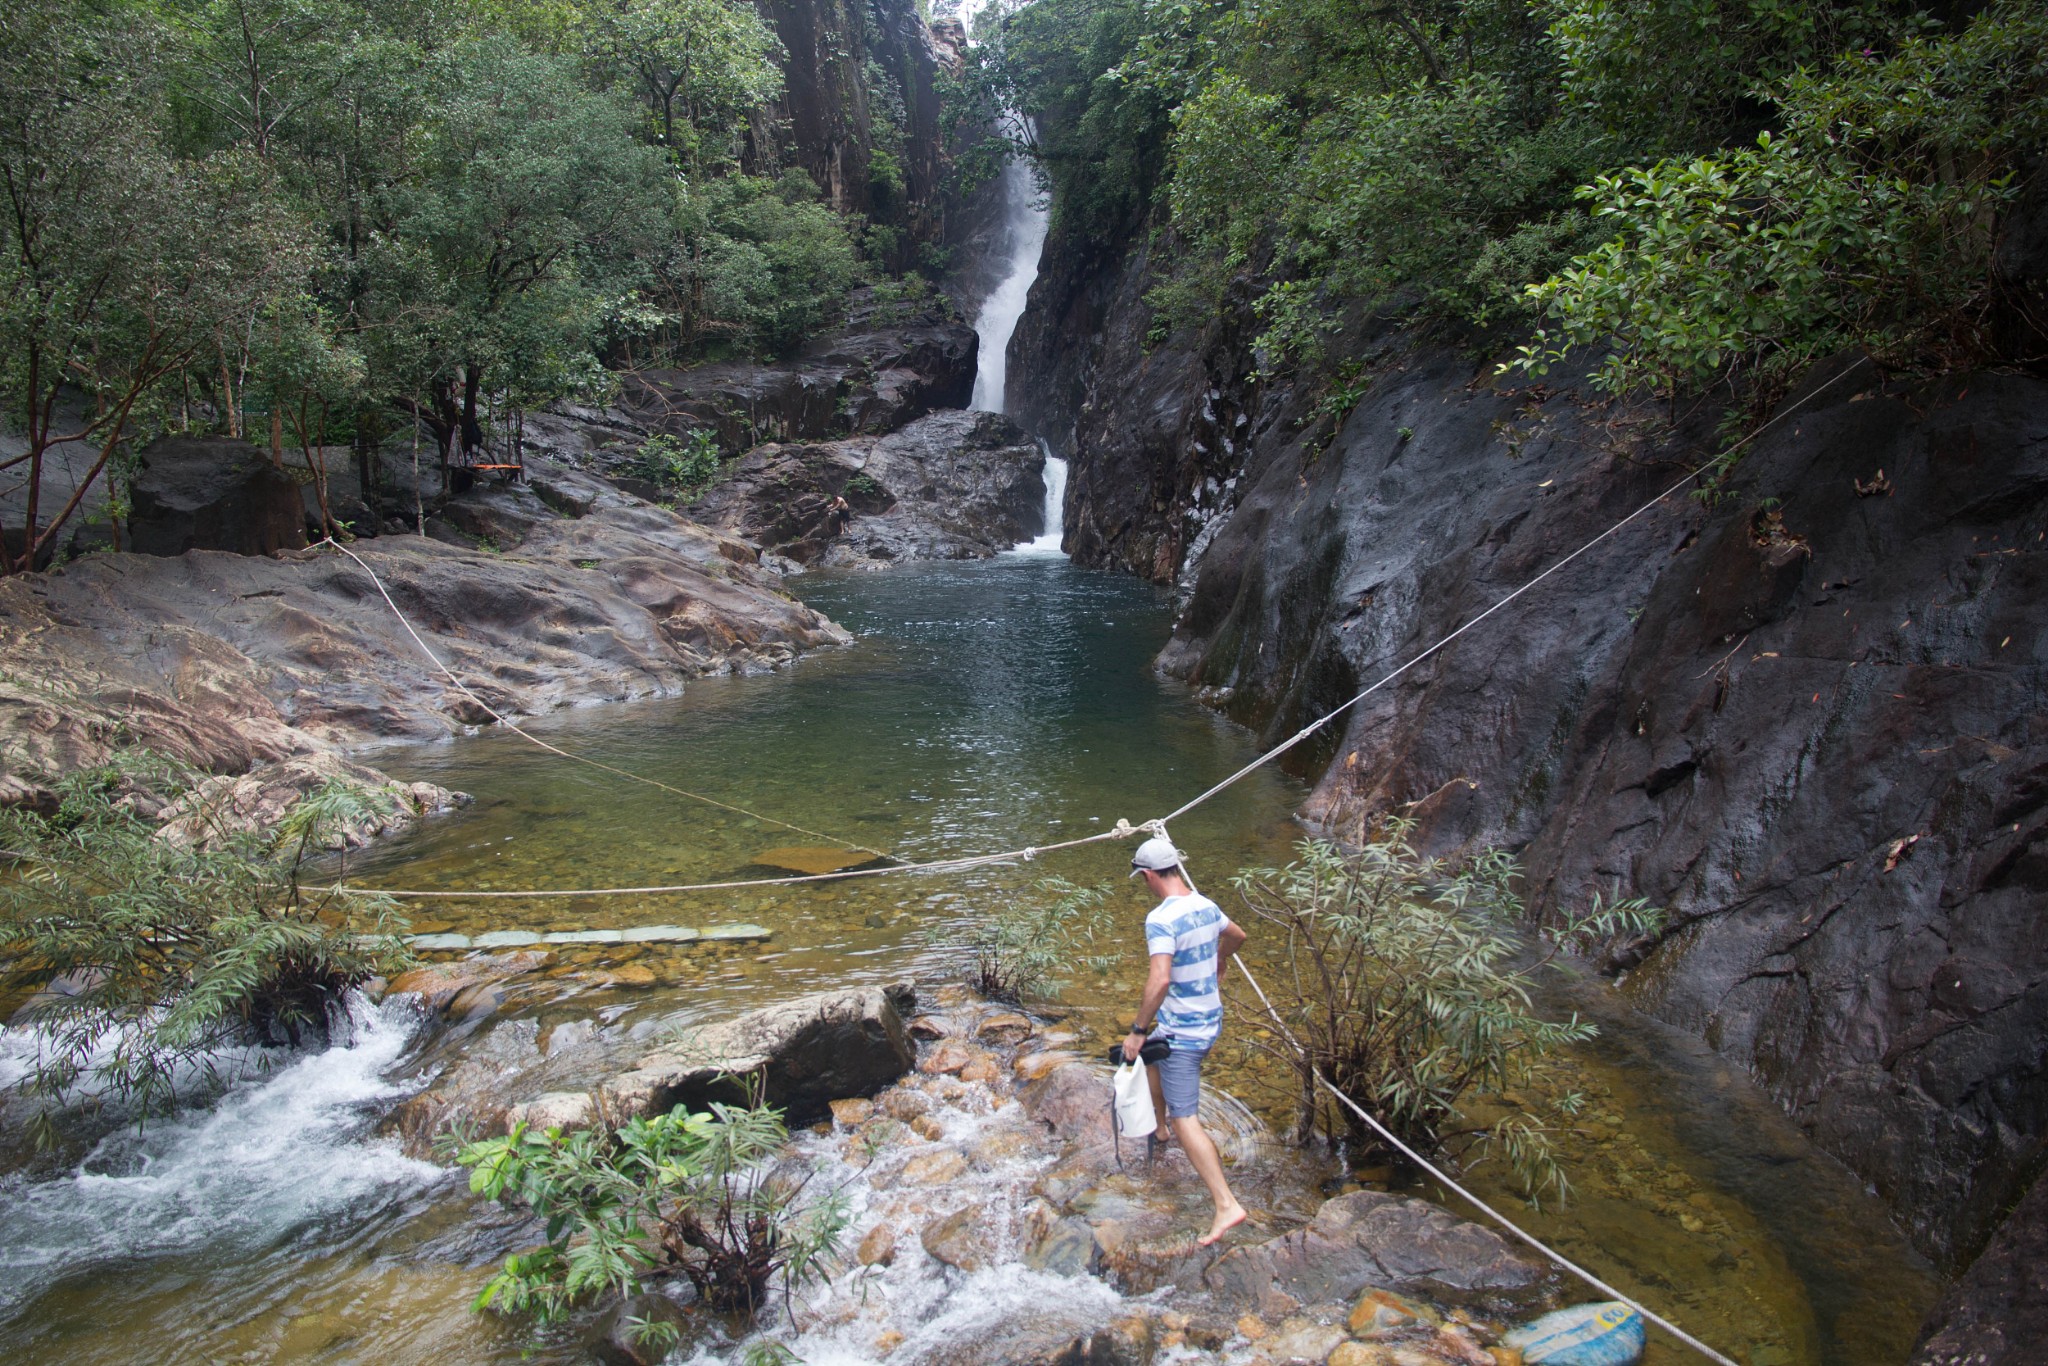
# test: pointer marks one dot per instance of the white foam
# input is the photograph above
(273, 1155)
(1048, 541)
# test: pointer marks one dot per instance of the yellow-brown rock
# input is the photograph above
(878, 1248)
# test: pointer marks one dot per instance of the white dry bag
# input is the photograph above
(1135, 1117)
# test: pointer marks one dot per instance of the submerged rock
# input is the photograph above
(1370, 1238)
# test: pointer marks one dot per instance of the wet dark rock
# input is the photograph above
(1997, 1314)
(950, 486)
(809, 1052)
(615, 1340)
(1369, 1238)
(1745, 712)
(1807, 720)
(861, 381)
(439, 985)
(213, 493)
(1127, 1342)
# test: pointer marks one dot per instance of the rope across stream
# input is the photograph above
(1122, 830)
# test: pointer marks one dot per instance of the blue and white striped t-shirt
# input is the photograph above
(1187, 927)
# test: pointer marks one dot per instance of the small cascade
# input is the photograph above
(278, 1154)
(1048, 540)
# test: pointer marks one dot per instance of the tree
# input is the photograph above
(120, 265)
(700, 66)
(524, 210)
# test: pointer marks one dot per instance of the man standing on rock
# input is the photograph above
(1188, 938)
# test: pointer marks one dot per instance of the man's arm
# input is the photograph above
(1228, 941)
(1157, 979)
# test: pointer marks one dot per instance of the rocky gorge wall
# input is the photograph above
(1810, 718)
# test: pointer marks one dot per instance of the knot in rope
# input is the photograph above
(1124, 830)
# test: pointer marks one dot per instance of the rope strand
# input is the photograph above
(500, 718)
(1419, 1160)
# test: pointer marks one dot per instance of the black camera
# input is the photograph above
(1151, 1053)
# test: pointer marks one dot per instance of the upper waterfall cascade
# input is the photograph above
(1023, 235)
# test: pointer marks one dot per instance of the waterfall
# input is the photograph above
(1048, 541)
(1024, 236)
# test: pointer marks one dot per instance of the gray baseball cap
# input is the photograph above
(1156, 854)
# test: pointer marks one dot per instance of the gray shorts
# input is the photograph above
(1180, 1078)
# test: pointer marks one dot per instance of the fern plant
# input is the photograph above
(1405, 993)
(680, 1193)
(150, 958)
(1033, 945)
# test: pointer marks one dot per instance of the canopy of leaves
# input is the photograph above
(1448, 153)
(1869, 221)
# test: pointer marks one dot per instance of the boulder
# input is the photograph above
(1370, 1238)
(616, 1341)
(960, 1239)
(869, 379)
(213, 493)
(808, 1053)
(440, 985)
(1072, 1101)
(950, 486)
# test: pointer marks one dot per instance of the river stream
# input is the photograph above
(984, 707)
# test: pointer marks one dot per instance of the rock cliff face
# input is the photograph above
(1810, 719)
(860, 111)
(889, 365)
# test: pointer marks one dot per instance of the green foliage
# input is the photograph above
(1029, 947)
(767, 264)
(1403, 989)
(121, 265)
(699, 66)
(1868, 222)
(1098, 140)
(166, 951)
(1675, 75)
(677, 1192)
(684, 464)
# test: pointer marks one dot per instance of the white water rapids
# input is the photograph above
(277, 1154)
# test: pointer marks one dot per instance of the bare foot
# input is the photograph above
(1226, 1220)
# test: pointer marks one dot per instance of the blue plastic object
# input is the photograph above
(1607, 1334)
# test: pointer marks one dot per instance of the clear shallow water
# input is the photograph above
(985, 706)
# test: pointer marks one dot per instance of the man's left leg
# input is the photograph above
(1180, 1078)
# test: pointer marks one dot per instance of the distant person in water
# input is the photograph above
(1189, 939)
